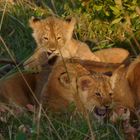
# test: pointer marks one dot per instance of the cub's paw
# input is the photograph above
(32, 65)
(36, 63)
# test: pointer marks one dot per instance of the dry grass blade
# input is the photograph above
(38, 120)
(1, 21)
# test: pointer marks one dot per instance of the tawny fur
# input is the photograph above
(125, 82)
(112, 55)
(54, 36)
(55, 91)
(74, 83)
(18, 90)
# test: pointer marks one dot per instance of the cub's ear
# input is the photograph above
(133, 74)
(70, 24)
(116, 76)
(85, 82)
(65, 80)
(34, 22)
(71, 20)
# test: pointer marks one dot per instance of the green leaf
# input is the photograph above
(133, 15)
(98, 8)
(117, 20)
(107, 13)
(115, 10)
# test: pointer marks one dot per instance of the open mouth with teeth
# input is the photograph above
(100, 111)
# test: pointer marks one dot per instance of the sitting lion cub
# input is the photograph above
(54, 37)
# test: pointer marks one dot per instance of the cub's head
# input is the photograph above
(52, 33)
(94, 91)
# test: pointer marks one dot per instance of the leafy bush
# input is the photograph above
(102, 23)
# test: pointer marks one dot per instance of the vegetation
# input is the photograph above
(102, 24)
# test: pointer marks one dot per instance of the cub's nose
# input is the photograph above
(52, 49)
(107, 106)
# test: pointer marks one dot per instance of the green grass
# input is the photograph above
(65, 126)
(17, 36)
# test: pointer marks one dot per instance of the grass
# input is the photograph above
(15, 32)
(73, 127)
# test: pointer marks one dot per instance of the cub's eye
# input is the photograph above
(98, 94)
(58, 38)
(110, 94)
(45, 38)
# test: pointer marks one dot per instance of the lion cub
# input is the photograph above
(55, 87)
(112, 55)
(53, 36)
(125, 84)
(22, 89)
(73, 83)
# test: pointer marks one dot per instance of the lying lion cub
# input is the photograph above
(54, 37)
(21, 89)
(112, 55)
(58, 90)
(73, 83)
(126, 85)
(126, 89)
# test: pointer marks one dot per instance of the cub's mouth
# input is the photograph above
(101, 112)
(52, 58)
